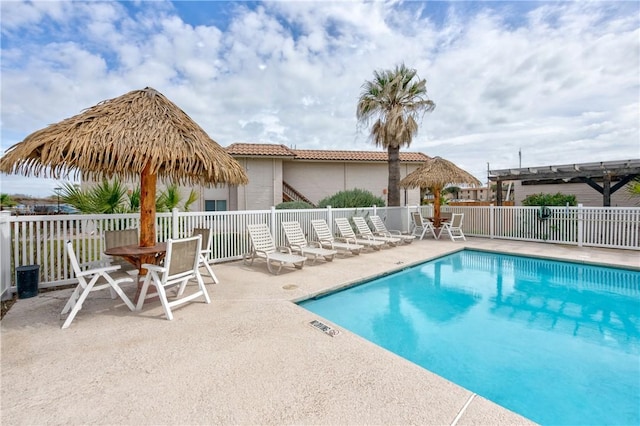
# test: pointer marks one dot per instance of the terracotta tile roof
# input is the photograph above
(273, 150)
(259, 150)
(316, 154)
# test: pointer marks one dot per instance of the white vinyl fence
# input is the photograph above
(39, 240)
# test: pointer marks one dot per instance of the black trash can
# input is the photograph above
(27, 279)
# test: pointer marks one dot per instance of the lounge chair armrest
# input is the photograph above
(316, 244)
(284, 249)
(347, 240)
(328, 242)
(259, 253)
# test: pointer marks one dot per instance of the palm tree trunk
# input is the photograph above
(394, 176)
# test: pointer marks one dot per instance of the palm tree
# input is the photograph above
(134, 199)
(106, 197)
(109, 197)
(394, 99)
(171, 198)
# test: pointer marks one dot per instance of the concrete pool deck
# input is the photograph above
(250, 357)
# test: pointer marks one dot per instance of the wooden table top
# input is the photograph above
(136, 250)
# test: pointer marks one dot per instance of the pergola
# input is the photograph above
(620, 171)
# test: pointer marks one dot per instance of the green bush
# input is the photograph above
(293, 205)
(550, 200)
(352, 198)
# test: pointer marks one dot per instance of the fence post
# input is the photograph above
(273, 221)
(492, 219)
(580, 225)
(329, 217)
(5, 255)
(175, 234)
(407, 216)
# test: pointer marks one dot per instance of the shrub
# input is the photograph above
(352, 198)
(558, 199)
(293, 205)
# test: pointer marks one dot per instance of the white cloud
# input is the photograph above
(559, 80)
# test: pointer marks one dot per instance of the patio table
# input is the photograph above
(137, 255)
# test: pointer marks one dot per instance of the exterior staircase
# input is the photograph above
(289, 193)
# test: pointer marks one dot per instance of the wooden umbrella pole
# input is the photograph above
(147, 207)
(436, 207)
(147, 218)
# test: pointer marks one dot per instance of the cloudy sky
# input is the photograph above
(558, 80)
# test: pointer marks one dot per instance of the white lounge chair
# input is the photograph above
(365, 232)
(87, 280)
(380, 228)
(326, 238)
(263, 246)
(298, 243)
(344, 227)
(454, 227)
(206, 250)
(421, 226)
(181, 264)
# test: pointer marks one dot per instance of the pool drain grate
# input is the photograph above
(324, 328)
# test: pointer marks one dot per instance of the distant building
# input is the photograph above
(487, 193)
(278, 173)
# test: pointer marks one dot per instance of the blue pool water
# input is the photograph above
(556, 342)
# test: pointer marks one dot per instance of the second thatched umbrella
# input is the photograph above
(435, 174)
(140, 134)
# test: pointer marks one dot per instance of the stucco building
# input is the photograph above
(278, 173)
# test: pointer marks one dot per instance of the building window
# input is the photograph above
(215, 205)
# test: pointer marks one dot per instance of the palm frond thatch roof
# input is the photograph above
(438, 172)
(119, 137)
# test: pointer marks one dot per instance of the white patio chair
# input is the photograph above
(421, 226)
(299, 244)
(88, 281)
(181, 264)
(380, 228)
(326, 238)
(344, 227)
(454, 227)
(118, 238)
(263, 246)
(365, 232)
(206, 250)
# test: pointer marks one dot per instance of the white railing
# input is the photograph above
(39, 240)
(610, 227)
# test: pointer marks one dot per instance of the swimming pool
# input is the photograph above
(556, 342)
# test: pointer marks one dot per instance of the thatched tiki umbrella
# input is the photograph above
(435, 174)
(140, 134)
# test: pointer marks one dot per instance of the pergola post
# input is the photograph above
(606, 190)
